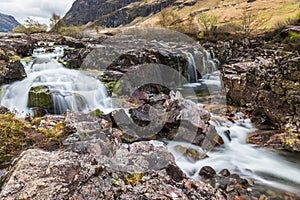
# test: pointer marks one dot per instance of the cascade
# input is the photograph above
(262, 165)
(55, 87)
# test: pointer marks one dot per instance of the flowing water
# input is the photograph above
(71, 89)
(265, 166)
(68, 89)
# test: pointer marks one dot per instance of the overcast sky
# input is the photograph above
(40, 10)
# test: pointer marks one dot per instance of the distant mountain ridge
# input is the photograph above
(113, 13)
(7, 23)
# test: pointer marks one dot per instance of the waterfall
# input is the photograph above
(64, 88)
(205, 67)
(192, 69)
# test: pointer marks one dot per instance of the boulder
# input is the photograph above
(144, 169)
(171, 117)
(135, 50)
(40, 97)
(290, 28)
(270, 87)
(11, 68)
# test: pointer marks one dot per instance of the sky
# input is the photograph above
(40, 10)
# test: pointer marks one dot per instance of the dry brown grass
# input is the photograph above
(232, 11)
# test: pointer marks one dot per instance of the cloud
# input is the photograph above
(40, 10)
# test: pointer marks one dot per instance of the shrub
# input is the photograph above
(72, 31)
(250, 23)
(208, 22)
(167, 18)
(31, 26)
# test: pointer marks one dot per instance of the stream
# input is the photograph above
(72, 89)
(48, 80)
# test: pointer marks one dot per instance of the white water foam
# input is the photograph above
(70, 89)
(260, 164)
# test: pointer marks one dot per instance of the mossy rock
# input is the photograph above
(97, 113)
(17, 135)
(40, 96)
(13, 138)
(71, 64)
(190, 153)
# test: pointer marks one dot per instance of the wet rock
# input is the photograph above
(171, 117)
(40, 97)
(140, 49)
(11, 68)
(269, 87)
(277, 139)
(190, 153)
(224, 172)
(233, 184)
(207, 172)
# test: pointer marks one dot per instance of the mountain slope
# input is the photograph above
(7, 23)
(114, 13)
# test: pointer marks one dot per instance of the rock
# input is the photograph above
(269, 87)
(17, 44)
(207, 172)
(40, 97)
(290, 28)
(282, 140)
(224, 172)
(138, 52)
(67, 175)
(10, 69)
(173, 117)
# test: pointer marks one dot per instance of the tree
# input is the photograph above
(168, 19)
(208, 22)
(56, 22)
(250, 23)
(30, 26)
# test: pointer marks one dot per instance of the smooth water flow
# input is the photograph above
(263, 165)
(59, 87)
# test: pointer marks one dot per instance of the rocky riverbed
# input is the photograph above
(90, 156)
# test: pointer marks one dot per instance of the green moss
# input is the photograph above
(134, 179)
(39, 97)
(14, 58)
(17, 135)
(127, 140)
(293, 36)
(97, 113)
(36, 121)
(71, 64)
(13, 138)
(115, 182)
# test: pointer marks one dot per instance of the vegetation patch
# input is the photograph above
(134, 179)
(17, 135)
(13, 138)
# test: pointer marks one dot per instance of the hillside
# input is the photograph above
(7, 23)
(115, 13)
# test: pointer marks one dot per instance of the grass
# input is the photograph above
(231, 11)
(16, 135)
